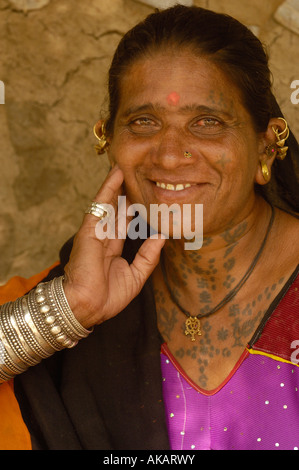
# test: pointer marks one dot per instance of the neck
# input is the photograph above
(209, 274)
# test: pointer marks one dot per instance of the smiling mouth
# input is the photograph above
(173, 187)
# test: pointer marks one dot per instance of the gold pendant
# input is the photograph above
(192, 327)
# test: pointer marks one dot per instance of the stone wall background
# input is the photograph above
(54, 57)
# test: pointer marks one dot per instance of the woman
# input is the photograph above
(192, 120)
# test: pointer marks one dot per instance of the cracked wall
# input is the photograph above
(54, 57)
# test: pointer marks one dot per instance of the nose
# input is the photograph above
(170, 149)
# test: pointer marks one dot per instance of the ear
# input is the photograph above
(101, 135)
(98, 127)
(267, 139)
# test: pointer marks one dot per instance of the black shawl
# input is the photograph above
(106, 393)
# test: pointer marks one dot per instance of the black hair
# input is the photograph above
(238, 53)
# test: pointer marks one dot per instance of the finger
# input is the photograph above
(107, 196)
(112, 230)
(147, 259)
(119, 227)
(111, 186)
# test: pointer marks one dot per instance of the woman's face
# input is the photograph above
(176, 103)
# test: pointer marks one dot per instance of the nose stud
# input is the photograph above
(187, 154)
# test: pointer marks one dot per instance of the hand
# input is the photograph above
(99, 283)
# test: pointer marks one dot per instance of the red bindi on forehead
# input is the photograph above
(173, 98)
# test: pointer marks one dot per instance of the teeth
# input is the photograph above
(172, 187)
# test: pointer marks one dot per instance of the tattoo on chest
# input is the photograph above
(216, 341)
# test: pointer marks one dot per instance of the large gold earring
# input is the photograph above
(103, 144)
(281, 138)
(265, 171)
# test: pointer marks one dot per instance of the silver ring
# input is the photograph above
(98, 210)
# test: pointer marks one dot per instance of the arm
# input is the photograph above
(98, 283)
(34, 327)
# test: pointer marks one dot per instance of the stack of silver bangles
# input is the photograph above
(36, 326)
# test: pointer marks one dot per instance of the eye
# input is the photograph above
(207, 125)
(143, 124)
(208, 122)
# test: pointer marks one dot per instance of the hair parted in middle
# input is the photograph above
(217, 37)
(237, 52)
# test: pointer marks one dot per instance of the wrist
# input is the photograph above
(36, 326)
(77, 306)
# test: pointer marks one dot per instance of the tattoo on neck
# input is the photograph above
(231, 236)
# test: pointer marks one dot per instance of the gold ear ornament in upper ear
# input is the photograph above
(103, 144)
(281, 139)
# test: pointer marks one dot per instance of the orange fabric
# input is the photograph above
(18, 286)
(13, 432)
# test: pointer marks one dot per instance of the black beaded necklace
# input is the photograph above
(192, 324)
